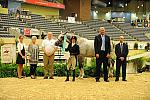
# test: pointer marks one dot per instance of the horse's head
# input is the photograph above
(60, 38)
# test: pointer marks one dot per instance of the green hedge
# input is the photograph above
(10, 70)
(90, 69)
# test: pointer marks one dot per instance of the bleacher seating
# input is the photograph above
(36, 21)
(44, 24)
(11, 21)
(4, 33)
(87, 29)
(111, 30)
(79, 29)
(138, 33)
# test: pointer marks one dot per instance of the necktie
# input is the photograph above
(121, 46)
(103, 43)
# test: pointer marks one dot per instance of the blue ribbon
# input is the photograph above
(64, 44)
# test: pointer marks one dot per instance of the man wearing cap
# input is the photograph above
(73, 49)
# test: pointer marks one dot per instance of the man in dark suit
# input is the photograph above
(102, 52)
(121, 51)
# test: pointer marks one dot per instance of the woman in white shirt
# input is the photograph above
(21, 56)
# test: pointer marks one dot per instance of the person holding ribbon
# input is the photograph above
(74, 51)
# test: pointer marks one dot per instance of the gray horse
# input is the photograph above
(86, 49)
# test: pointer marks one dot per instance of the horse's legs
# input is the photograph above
(111, 67)
(81, 64)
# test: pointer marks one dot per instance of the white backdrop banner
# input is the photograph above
(71, 20)
(8, 53)
(34, 32)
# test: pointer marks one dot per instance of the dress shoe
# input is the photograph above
(67, 79)
(45, 77)
(106, 80)
(51, 78)
(22, 77)
(32, 77)
(19, 77)
(124, 80)
(97, 80)
(73, 79)
(116, 80)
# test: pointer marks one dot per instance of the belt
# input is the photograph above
(72, 55)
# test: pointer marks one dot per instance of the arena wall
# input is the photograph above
(3, 10)
(40, 10)
(132, 7)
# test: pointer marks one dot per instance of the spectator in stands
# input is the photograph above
(18, 13)
(42, 35)
(21, 56)
(49, 48)
(73, 48)
(132, 23)
(102, 47)
(121, 51)
(33, 50)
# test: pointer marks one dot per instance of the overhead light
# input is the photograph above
(121, 5)
(142, 5)
(138, 7)
(109, 2)
(96, 12)
(99, 3)
(126, 4)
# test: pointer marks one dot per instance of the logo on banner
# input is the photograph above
(26, 31)
(6, 55)
(71, 20)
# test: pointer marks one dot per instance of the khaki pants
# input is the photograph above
(71, 62)
(48, 65)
